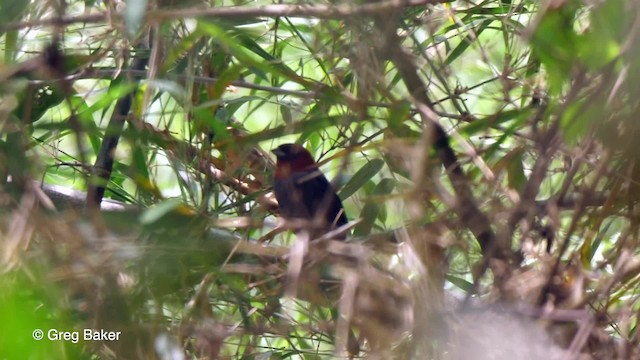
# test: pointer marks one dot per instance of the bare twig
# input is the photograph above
(468, 210)
(104, 161)
(235, 12)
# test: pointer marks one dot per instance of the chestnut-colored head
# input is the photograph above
(292, 158)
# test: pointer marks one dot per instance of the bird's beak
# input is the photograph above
(278, 152)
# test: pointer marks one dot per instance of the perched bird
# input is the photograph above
(304, 193)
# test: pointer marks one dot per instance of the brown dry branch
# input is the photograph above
(258, 163)
(235, 12)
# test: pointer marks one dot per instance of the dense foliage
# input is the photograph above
(483, 150)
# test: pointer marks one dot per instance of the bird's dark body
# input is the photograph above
(309, 196)
(304, 193)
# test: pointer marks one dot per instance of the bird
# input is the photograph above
(304, 193)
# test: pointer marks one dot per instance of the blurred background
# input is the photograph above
(483, 150)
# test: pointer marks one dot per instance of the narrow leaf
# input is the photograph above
(363, 175)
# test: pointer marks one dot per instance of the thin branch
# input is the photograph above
(103, 166)
(235, 12)
(467, 208)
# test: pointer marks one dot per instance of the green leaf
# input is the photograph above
(171, 87)
(117, 89)
(555, 44)
(180, 51)
(605, 30)
(593, 248)
(248, 53)
(373, 207)
(515, 171)
(156, 212)
(210, 123)
(233, 105)
(363, 175)
(10, 46)
(494, 120)
(139, 162)
(467, 41)
(460, 283)
(12, 10)
(398, 113)
(36, 104)
(512, 162)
